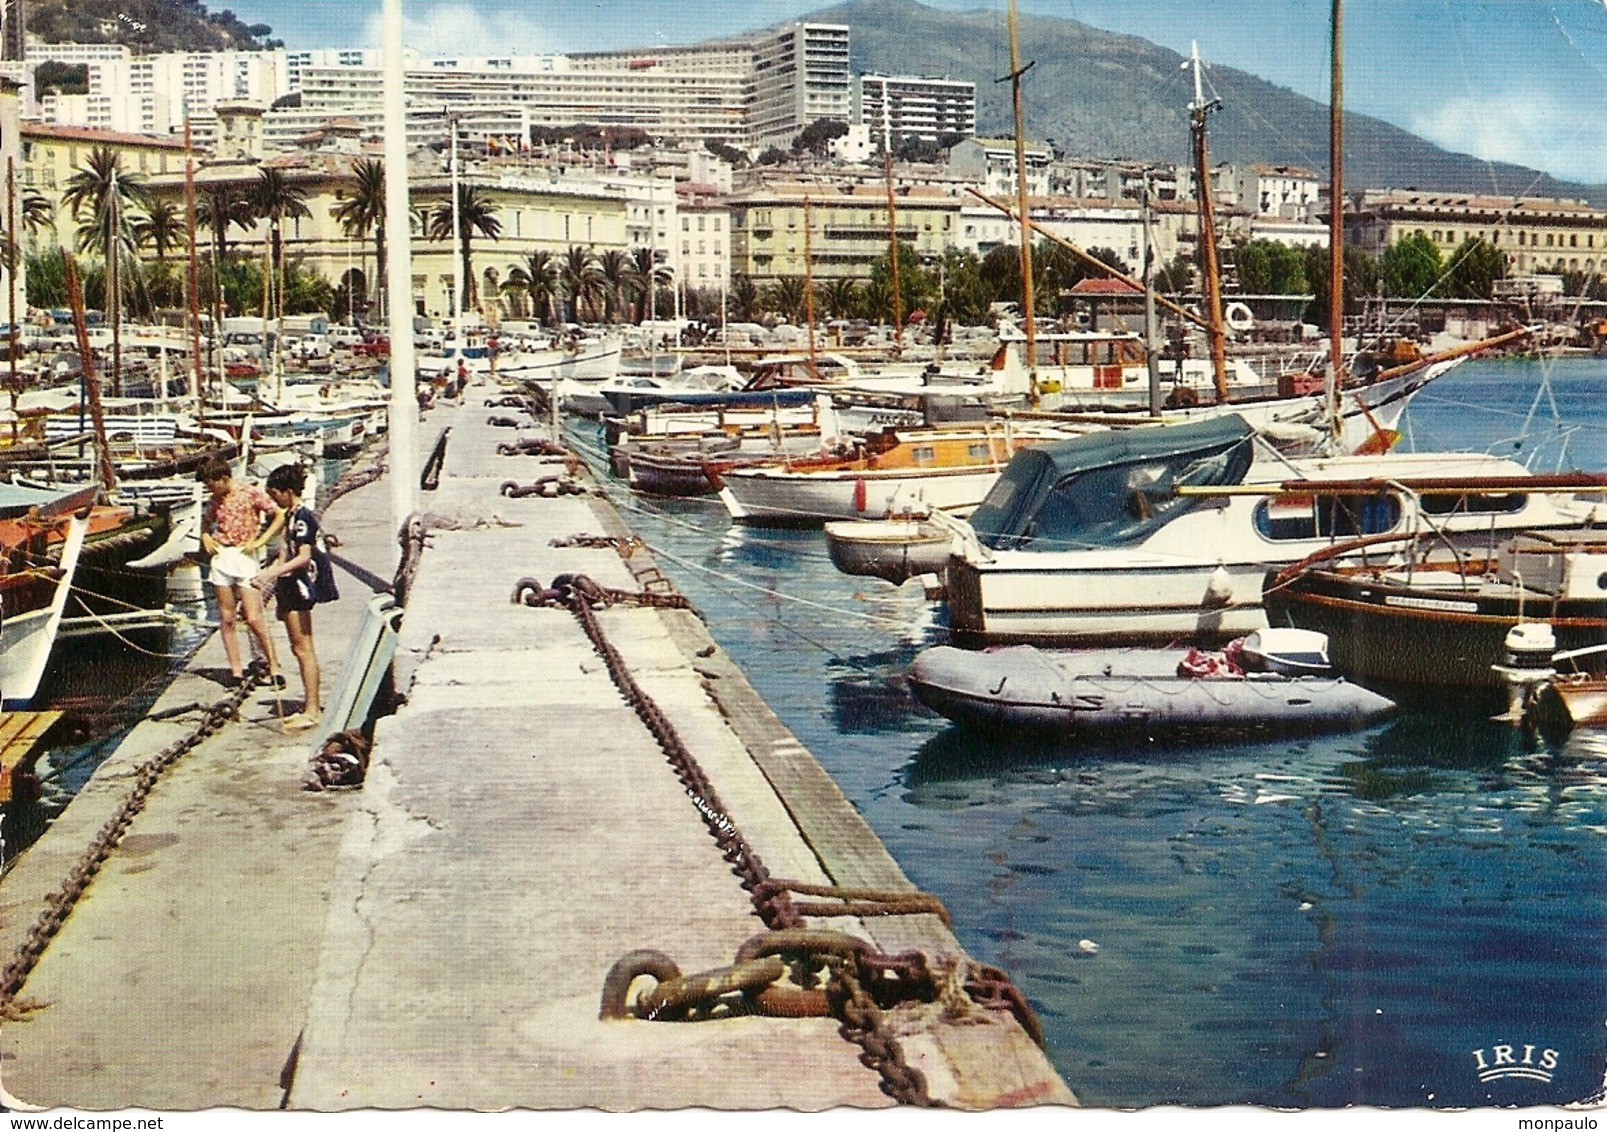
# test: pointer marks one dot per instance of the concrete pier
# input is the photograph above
(440, 938)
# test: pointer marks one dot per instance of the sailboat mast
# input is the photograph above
(892, 243)
(1210, 267)
(114, 303)
(1336, 216)
(457, 239)
(809, 287)
(91, 387)
(195, 274)
(13, 260)
(1027, 299)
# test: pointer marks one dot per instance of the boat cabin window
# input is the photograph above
(1482, 504)
(923, 454)
(979, 451)
(1291, 517)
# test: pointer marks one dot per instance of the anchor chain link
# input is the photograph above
(59, 903)
(863, 1026)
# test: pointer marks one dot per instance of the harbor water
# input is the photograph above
(1412, 915)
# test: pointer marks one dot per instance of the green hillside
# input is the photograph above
(1098, 94)
(144, 25)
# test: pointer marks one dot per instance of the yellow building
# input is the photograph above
(848, 228)
(1538, 234)
(52, 154)
(534, 210)
(532, 214)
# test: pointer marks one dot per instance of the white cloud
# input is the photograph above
(1536, 129)
(465, 29)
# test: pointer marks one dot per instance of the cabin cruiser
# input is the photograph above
(1163, 534)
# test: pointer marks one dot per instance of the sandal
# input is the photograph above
(301, 721)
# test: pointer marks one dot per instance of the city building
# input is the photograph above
(990, 163)
(799, 74)
(703, 251)
(1537, 234)
(154, 94)
(907, 108)
(1285, 192)
(848, 228)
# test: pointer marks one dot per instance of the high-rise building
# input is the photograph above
(914, 108)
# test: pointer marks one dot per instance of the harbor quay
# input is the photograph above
(587, 866)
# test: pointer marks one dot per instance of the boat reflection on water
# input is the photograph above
(868, 694)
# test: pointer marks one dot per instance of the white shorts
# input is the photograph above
(232, 566)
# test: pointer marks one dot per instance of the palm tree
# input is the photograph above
(581, 278)
(275, 199)
(787, 297)
(841, 298)
(618, 273)
(102, 197)
(38, 214)
(477, 212)
(537, 276)
(220, 205)
(743, 298)
(364, 211)
(643, 261)
(162, 229)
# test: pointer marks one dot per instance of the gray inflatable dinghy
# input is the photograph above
(1274, 683)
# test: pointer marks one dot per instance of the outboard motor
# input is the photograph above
(1529, 648)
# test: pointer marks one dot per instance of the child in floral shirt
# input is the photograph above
(236, 523)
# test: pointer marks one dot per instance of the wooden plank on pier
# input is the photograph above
(20, 733)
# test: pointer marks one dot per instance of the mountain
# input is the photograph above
(1098, 94)
(144, 26)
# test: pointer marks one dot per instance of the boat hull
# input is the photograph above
(775, 497)
(894, 550)
(1120, 693)
(1396, 635)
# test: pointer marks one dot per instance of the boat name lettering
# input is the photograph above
(1431, 603)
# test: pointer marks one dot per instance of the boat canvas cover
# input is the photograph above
(1109, 488)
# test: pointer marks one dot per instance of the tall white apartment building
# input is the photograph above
(800, 75)
(913, 108)
(153, 94)
(752, 91)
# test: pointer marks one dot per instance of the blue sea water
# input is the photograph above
(1371, 918)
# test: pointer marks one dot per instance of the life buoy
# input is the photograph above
(1239, 317)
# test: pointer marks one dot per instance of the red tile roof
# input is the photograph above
(102, 137)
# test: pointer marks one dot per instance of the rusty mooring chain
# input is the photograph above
(547, 487)
(414, 537)
(567, 588)
(354, 478)
(430, 475)
(624, 545)
(753, 981)
(59, 903)
(532, 446)
(856, 902)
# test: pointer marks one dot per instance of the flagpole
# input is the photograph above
(403, 415)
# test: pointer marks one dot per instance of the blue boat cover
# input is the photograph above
(1109, 488)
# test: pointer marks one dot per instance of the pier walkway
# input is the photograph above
(441, 937)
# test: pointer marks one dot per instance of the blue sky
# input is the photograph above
(1513, 80)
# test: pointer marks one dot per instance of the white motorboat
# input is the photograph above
(1167, 534)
